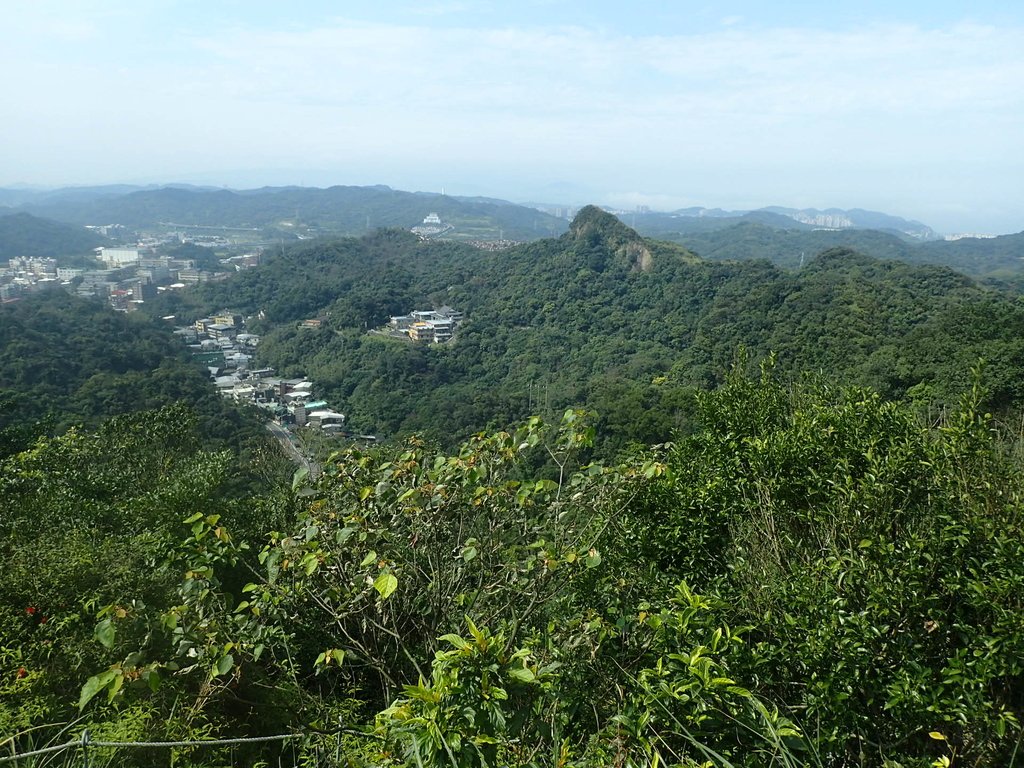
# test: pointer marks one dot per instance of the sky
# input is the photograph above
(911, 108)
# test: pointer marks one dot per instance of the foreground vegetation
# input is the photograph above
(812, 576)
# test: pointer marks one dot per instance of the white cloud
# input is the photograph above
(747, 92)
(788, 106)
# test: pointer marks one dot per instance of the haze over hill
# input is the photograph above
(292, 210)
(345, 208)
(22, 234)
(809, 218)
(787, 237)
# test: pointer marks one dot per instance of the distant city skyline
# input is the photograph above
(912, 109)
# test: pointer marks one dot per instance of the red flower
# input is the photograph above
(31, 610)
(22, 672)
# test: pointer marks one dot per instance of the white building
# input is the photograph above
(119, 257)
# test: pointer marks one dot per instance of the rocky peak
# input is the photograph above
(595, 231)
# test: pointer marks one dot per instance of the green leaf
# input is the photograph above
(225, 664)
(310, 562)
(455, 640)
(370, 558)
(105, 633)
(152, 678)
(476, 633)
(522, 674)
(385, 584)
(94, 685)
(115, 685)
(299, 477)
(469, 553)
(593, 558)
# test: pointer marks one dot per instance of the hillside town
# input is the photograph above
(221, 344)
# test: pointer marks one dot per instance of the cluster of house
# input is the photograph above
(133, 275)
(287, 401)
(25, 275)
(432, 326)
(125, 284)
(129, 276)
(220, 343)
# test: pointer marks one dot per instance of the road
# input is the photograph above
(289, 443)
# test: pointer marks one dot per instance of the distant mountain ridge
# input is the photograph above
(857, 218)
(82, 204)
(810, 218)
(999, 259)
(339, 210)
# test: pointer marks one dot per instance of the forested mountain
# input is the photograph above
(22, 234)
(790, 244)
(996, 257)
(69, 361)
(337, 210)
(787, 247)
(605, 318)
(670, 226)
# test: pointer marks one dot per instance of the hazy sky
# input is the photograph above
(912, 108)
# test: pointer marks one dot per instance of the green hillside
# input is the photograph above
(605, 318)
(810, 576)
(22, 234)
(67, 361)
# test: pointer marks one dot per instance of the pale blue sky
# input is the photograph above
(913, 108)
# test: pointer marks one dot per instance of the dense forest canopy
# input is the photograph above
(604, 318)
(67, 361)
